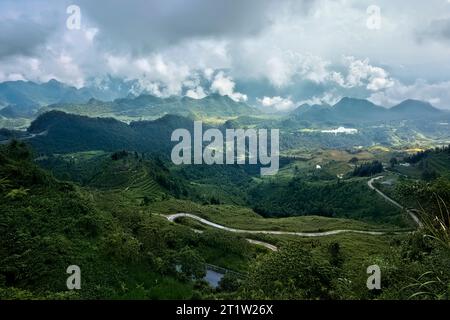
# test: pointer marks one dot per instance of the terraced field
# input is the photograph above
(142, 185)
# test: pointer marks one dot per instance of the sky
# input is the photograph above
(276, 54)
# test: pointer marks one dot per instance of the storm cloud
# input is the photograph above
(253, 50)
(147, 25)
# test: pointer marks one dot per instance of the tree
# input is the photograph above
(290, 273)
(429, 175)
(119, 155)
(18, 150)
(4, 184)
(393, 162)
(190, 262)
(368, 169)
(230, 282)
(336, 259)
(17, 194)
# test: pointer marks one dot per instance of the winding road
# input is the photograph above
(395, 203)
(174, 217)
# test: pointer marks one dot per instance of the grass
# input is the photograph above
(127, 210)
(245, 218)
(436, 226)
(355, 248)
(439, 162)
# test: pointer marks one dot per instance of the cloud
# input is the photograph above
(25, 27)
(21, 36)
(156, 74)
(145, 26)
(362, 73)
(330, 98)
(438, 94)
(436, 30)
(282, 70)
(288, 48)
(277, 103)
(224, 85)
(281, 67)
(196, 93)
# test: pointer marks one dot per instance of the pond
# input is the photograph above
(213, 278)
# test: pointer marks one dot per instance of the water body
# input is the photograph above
(213, 278)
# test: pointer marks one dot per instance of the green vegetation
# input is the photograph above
(246, 219)
(94, 193)
(47, 225)
(338, 199)
(149, 107)
(428, 164)
(368, 169)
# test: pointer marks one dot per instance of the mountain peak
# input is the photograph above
(417, 106)
(54, 82)
(353, 101)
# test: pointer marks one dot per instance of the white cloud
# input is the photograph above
(224, 85)
(277, 103)
(156, 74)
(284, 43)
(438, 94)
(361, 72)
(326, 98)
(208, 73)
(283, 68)
(196, 93)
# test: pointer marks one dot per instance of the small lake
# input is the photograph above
(213, 278)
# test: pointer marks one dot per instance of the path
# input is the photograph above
(395, 203)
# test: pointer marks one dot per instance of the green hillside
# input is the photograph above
(123, 250)
(428, 165)
(64, 133)
(151, 107)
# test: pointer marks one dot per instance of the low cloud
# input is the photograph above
(362, 73)
(438, 94)
(277, 103)
(224, 85)
(196, 93)
(271, 48)
(329, 98)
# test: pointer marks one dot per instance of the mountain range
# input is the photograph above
(148, 106)
(361, 110)
(60, 132)
(24, 98)
(116, 98)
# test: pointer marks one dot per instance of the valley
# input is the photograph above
(208, 156)
(143, 227)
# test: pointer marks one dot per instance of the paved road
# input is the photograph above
(173, 217)
(395, 203)
(264, 244)
(252, 241)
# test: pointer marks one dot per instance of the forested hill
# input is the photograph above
(358, 111)
(59, 132)
(45, 225)
(150, 106)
